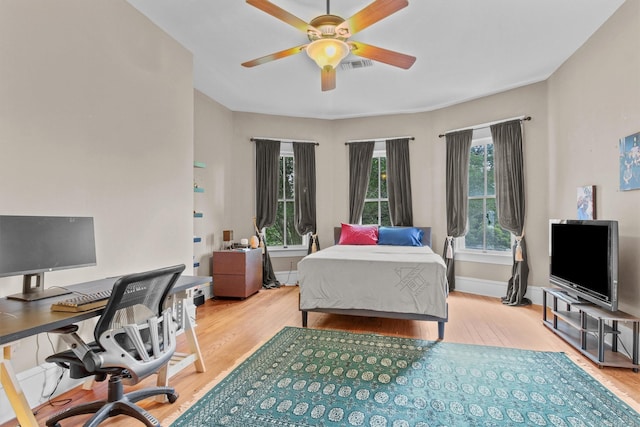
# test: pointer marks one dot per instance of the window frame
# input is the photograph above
(482, 136)
(286, 151)
(379, 151)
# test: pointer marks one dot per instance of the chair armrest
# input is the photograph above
(89, 359)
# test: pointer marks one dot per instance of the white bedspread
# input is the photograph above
(398, 279)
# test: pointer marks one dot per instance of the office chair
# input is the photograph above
(134, 338)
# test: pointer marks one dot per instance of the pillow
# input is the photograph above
(400, 236)
(352, 234)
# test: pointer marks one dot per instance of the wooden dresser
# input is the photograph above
(236, 273)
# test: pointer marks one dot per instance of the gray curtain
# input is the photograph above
(304, 187)
(510, 202)
(267, 159)
(399, 182)
(457, 192)
(360, 159)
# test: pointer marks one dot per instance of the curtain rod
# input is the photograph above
(486, 125)
(284, 140)
(351, 141)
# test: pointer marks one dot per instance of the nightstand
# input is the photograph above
(236, 273)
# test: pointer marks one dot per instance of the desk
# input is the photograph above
(35, 317)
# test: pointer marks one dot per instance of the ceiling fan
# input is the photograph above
(329, 38)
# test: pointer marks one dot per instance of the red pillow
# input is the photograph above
(352, 234)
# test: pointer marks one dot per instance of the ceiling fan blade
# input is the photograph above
(274, 56)
(281, 14)
(371, 14)
(379, 54)
(328, 78)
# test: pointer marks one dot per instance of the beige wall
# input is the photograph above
(578, 115)
(96, 119)
(213, 133)
(593, 102)
(241, 191)
(427, 167)
(427, 162)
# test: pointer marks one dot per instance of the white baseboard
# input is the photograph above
(492, 288)
(469, 285)
(37, 384)
(287, 277)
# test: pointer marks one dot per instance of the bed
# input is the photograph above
(376, 279)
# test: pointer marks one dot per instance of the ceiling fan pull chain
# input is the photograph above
(328, 7)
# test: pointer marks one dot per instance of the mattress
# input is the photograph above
(397, 279)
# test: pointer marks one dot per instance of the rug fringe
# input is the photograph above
(200, 393)
(593, 370)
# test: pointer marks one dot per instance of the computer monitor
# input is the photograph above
(33, 245)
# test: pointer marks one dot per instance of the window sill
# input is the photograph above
(287, 252)
(485, 257)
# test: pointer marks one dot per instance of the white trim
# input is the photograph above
(499, 258)
(287, 277)
(470, 285)
(281, 252)
(491, 288)
(36, 383)
(488, 288)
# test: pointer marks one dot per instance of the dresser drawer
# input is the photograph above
(236, 274)
(229, 285)
(229, 262)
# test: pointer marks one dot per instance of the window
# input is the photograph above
(484, 234)
(283, 232)
(376, 203)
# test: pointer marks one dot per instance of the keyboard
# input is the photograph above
(82, 302)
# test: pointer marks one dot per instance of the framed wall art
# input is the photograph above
(587, 202)
(630, 162)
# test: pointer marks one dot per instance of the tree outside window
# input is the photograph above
(484, 233)
(283, 233)
(376, 204)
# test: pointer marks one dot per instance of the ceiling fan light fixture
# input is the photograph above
(327, 52)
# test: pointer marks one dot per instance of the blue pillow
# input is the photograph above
(400, 236)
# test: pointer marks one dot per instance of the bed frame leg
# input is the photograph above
(440, 330)
(305, 316)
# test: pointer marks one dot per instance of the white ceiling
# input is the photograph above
(465, 49)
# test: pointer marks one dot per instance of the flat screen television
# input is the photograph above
(33, 245)
(584, 260)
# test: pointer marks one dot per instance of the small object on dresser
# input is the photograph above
(227, 238)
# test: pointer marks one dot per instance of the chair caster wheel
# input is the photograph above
(171, 397)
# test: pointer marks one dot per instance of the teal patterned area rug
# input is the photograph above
(309, 377)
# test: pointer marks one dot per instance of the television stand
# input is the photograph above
(568, 298)
(585, 327)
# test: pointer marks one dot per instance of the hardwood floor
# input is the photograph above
(228, 331)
